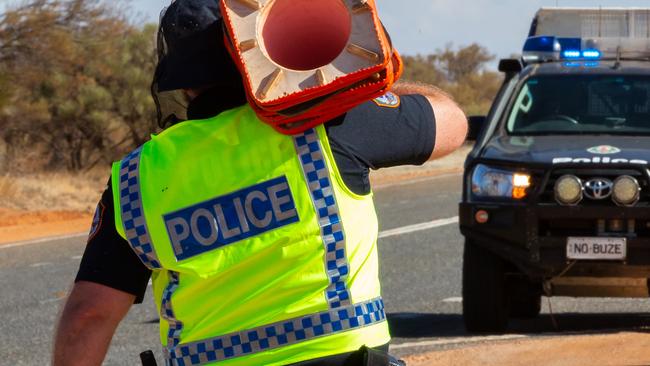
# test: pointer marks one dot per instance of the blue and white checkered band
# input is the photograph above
(135, 225)
(277, 335)
(310, 153)
(167, 313)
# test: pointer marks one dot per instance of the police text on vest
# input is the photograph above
(230, 218)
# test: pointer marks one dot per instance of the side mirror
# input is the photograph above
(510, 65)
(475, 125)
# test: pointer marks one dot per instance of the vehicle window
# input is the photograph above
(582, 104)
(498, 109)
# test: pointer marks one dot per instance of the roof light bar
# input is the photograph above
(571, 54)
(541, 48)
(550, 48)
(570, 43)
(542, 44)
(591, 54)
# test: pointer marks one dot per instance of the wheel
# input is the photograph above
(485, 304)
(524, 296)
(525, 307)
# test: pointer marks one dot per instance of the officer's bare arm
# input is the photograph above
(451, 122)
(89, 319)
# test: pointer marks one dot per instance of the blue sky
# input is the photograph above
(422, 26)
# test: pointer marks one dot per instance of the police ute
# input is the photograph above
(556, 192)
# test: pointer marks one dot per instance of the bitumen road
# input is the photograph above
(420, 256)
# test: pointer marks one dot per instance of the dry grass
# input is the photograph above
(52, 191)
(7, 187)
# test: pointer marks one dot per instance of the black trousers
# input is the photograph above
(344, 359)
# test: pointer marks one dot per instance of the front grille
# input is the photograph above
(563, 227)
(548, 193)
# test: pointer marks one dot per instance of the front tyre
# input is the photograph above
(485, 301)
(525, 298)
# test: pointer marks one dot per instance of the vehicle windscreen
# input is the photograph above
(582, 104)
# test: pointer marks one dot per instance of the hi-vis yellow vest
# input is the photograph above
(260, 254)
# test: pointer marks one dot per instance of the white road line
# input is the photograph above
(418, 227)
(42, 240)
(41, 264)
(453, 299)
(76, 257)
(465, 340)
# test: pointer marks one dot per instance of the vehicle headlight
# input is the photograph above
(568, 190)
(499, 183)
(626, 190)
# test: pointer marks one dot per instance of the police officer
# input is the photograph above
(262, 246)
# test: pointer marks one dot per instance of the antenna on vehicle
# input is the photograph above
(618, 57)
(600, 21)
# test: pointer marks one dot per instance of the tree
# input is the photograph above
(79, 72)
(465, 62)
(461, 73)
(423, 69)
(131, 89)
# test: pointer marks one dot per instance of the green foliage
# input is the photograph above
(460, 72)
(423, 69)
(79, 72)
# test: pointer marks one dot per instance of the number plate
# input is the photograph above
(596, 248)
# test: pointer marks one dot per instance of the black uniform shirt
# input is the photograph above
(377, 134)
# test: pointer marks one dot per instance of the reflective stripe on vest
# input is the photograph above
(277, 335)
(167, 312)
(133, 220)
(321, 191)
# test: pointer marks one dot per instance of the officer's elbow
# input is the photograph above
(451, 127)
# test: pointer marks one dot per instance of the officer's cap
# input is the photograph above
(191, 49)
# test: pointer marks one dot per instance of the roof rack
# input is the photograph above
(592, 22)
(589, 34)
